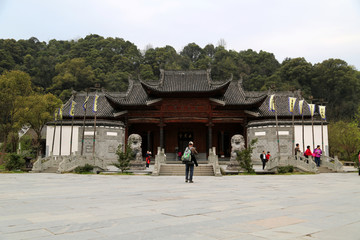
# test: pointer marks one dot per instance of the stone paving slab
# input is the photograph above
(46, 206)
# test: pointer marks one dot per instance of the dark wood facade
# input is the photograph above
(173, 122)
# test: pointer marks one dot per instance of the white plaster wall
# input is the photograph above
(65, 141)
(308, 137)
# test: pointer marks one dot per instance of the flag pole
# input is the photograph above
(94, 110)
(292, 102)
(61, 125)
(83, 131)
(303, 128)
(72, 113)
(53, 141)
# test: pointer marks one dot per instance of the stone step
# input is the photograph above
(50, 170)
(324, 170)
(179, 170)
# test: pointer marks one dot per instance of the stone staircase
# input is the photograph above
(323, 169)
(50, 170)
(179, 170)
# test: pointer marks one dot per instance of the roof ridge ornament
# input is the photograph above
(130, 87)
(208, 76)
(162, 77)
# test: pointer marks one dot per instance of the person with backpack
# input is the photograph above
(189, 159)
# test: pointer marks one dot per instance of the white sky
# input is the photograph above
(314, 29)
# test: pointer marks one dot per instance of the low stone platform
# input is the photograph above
(45, 206)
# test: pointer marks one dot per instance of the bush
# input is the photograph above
(84, 169)
(124, 158)
(244, 157)
(13, 162)
(286, 169)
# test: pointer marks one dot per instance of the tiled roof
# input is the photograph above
(282, 105)
(105, 110)
(185, 82)
(235, 95)
(197, 82)
(135, 96)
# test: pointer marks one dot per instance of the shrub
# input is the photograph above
(13, 162)
(84, 169)
(244, 157)
(124, 158)
(286, 169)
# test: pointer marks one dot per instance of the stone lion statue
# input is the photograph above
(135, 141)
(237, 144)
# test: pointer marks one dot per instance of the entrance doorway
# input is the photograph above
(183, 140)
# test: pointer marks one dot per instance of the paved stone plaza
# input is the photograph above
(109, 207)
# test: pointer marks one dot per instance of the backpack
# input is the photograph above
(186, 157)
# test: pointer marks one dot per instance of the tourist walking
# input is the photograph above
(189, 166)
(263, 159)
(317, 154)
(148, 156)
(307, 153)
(297, 151)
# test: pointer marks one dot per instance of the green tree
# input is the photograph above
(339, 84)
(37, 111)
(72, 74)
(244, 157)
(124, 158)
(15, 87)
(344, 139)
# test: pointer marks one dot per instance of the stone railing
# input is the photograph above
(160, 158)
(42, 164)
(69, 163)
(299, 162)
(331, 163)
(214, 161)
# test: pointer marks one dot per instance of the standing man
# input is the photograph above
(189, 170)
(263, 158)
(297, 150)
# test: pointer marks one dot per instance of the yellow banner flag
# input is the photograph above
(85, 103)
(56, 114)
(301, 105)
(322, 112)
(72, 108)
(95, 103)
(312, 109)
(60, 115)
(272, 103)
(292, 102)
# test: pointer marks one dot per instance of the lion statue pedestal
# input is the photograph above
(237, 144)
(135, 141)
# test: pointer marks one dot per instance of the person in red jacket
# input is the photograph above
(268, 156)
(307, 153)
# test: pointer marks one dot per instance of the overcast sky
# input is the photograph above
(314, 29)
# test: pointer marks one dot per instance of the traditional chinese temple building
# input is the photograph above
(179, 107)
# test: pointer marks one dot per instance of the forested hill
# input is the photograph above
(60, 66)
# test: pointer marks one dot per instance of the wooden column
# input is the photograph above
(222, 151)
(148, 141)
(210, 125)
(161, 127)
